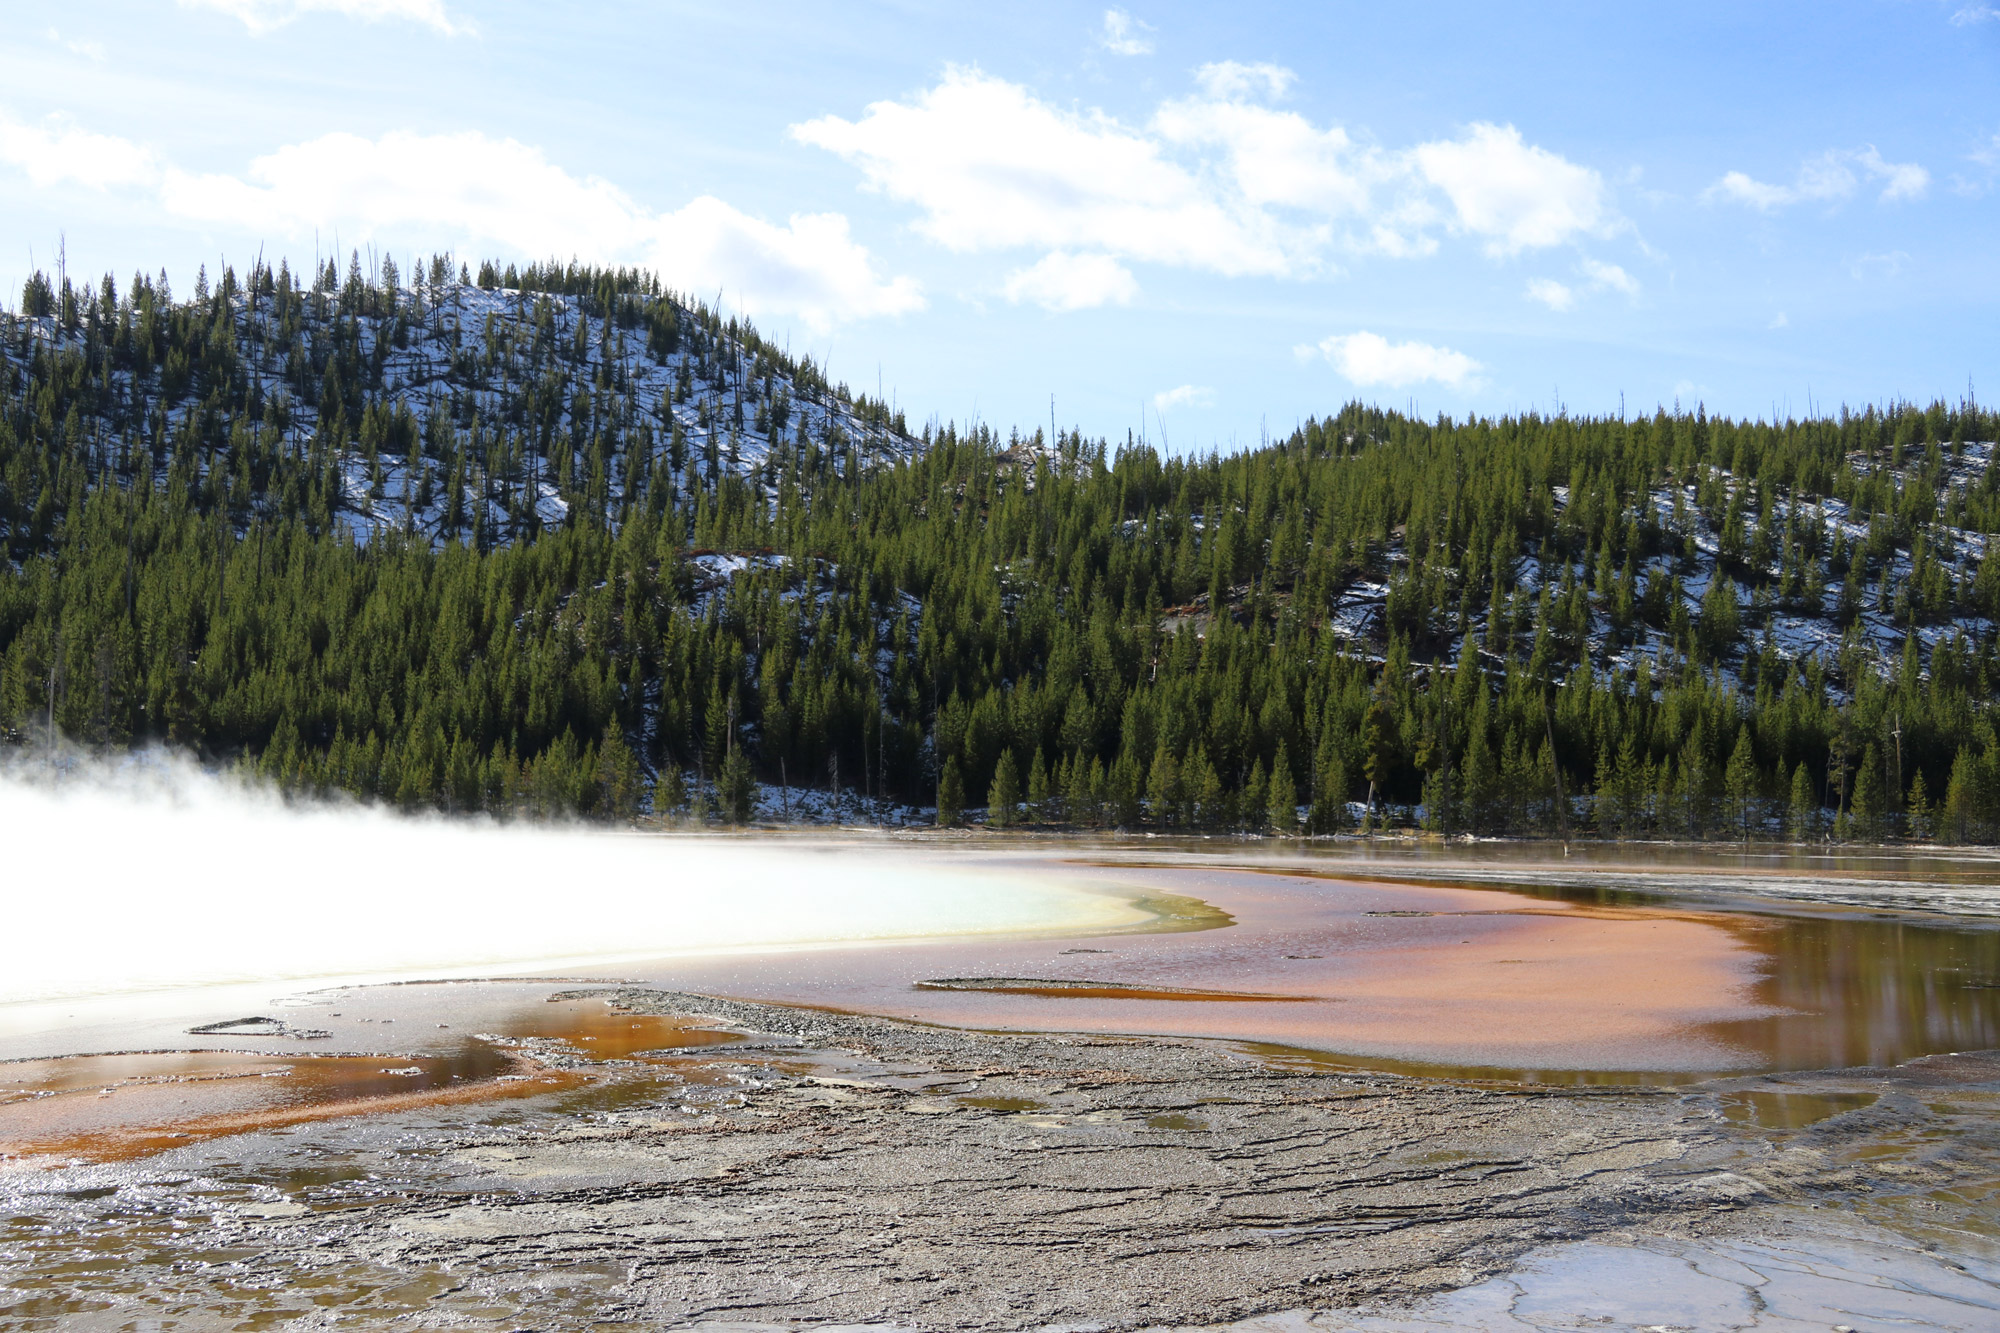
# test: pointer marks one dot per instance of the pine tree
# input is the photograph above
(1282, 805)
(1163, 788)
(1721, 616)
(1867, 805)
(951, 795)
(736, 788)
(1380, 742)
(1922, 817)
(1038, 788)
(1330, 786)
(1123, 787)
(1740, 781)
(1803, 814)
(1005, 794)
(669, 792)
(1961, 798)
(618, 781)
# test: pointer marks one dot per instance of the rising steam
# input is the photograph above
(146, 872)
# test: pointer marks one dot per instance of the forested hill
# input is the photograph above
(556, 541)
(479, 411)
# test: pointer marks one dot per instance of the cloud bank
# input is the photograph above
(1186, 395)
(1372, 361)
(1073, 282)
(1828, 178)
(1219, 182)
(489, 195)
(1597, 276)
(1122, 34)
(262, 16)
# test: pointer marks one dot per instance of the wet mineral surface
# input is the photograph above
(836, 1169)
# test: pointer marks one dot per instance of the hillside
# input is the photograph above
(558, 541)
(456, 410)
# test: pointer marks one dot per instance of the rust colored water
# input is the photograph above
(605, 1032)
(1087, 990)
(1559, 976)
(116, 1107)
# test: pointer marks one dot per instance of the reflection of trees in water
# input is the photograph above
(1858, 991)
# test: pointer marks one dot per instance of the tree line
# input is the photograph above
(1523, 625)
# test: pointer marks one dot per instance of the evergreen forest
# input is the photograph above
(555, 541)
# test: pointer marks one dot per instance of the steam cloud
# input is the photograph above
(145, 873)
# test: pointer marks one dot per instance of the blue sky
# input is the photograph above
(1201, 221)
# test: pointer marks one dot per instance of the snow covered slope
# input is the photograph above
(460, 409)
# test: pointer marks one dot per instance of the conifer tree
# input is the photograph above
(1867, 805)
(1005, 795)
(950, 795)
(1918, 811)
(670, 792)
(1163, 787)
(618, 781)
(1038, 788)
(1122, 790)
(1961, 798)
(1803, 814)
(736, 787)
(1253, 807)
(1282, 803)
(1740, 781)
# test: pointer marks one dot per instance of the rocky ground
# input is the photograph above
(841, 1169)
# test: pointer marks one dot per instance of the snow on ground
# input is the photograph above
(474, 356)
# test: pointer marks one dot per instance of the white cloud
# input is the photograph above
(492, 196)
(1598, 276)
(1779, 321)
(1743, 189)
(57, 152)
(1120, 34)
(466, 187)
(1609, 277)
(1888, 264)
(1277, 158)
(1226, 80)
(994, 168)
(1987, 158)
(1906, 180)
(1972, 14)
(811, 267)
(1370, 360)
(1827, 178)
(1073, 282)
(1213, 181)
(262, 16)
(1551, 293)
(87, 49)
(1516, 195)
(1186, 395)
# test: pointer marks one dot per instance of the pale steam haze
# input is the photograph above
(151, 875)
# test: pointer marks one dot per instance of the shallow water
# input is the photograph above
(1515, 966)
(1805, 1275)
(103, 1108)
